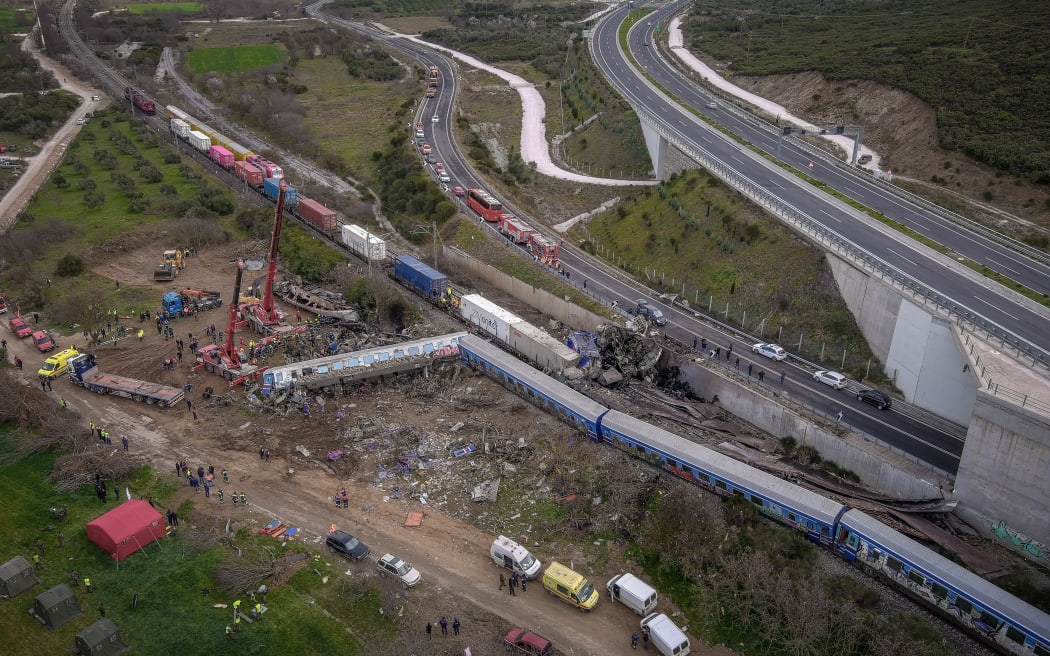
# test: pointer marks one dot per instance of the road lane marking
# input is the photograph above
(902, 257)
(830, 215)
(997, 308)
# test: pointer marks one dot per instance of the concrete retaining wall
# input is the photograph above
(547, 303)
(1004, 465)
(879, 467)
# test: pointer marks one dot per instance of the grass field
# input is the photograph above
(167, 8)
(234, 59)
(9, 18)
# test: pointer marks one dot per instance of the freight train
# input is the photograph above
(994, 616)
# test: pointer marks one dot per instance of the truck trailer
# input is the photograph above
(84, 372)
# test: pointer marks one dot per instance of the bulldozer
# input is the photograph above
(170, 267)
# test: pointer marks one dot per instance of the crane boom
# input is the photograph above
(269, 308)
(229, 349)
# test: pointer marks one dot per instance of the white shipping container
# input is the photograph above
(200, 141)
(543, 350)
(180, 128)
(360, 241)
(483, 313)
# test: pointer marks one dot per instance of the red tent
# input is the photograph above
(127, 528)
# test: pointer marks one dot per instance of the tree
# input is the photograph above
(69, 266)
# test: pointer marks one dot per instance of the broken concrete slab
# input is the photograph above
(486, 490)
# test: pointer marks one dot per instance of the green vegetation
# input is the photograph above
(234, 59)
(389, 7)
(982, 66)
(16, 21)
(369, 62)
(408, 194)
(733, 259)
(505, 31)
(167, 8)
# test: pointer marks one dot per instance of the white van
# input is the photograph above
(668, 639)
(632, 592)
(508, 553)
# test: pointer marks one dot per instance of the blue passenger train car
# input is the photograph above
(999, 618)
(558, 399)
(775, 498)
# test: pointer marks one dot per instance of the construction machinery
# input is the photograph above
(84, 372)
(225, 359)
(169, 268)
(263, 316)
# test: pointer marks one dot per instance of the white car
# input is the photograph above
(832, 378)
(444, 177)
(771, 351)
(435, 119)
(391, 565)
(80, 121)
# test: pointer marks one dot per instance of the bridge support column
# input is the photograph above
(658, 148)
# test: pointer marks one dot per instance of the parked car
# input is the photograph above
(43, 341)
(431, 158)
(876, 398)
(20, 327)
(391, 565)
(864, 159)
(832, 378)
(346, 545)
(528, 642)
(57, 364)
(643, 309)
(460, 192)
(80, 121)
(444, 177)
(771, 351)
(439, 167)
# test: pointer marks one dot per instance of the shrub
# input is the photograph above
(69, 266)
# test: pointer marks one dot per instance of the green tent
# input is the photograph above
(100, 639)
(55, 607)
(16, 576)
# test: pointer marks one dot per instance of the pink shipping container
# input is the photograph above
(318, 215)
(249, 172)
(221, 156)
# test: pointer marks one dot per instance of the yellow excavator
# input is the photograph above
(170, 267)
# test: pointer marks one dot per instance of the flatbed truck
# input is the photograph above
(84, 372)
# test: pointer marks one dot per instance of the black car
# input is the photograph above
(346, 545)
(875, 398)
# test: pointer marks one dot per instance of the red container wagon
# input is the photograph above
(318, 216)
(250, 173)
(485, 204)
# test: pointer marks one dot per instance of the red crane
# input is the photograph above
(224, 359)
(263, 315)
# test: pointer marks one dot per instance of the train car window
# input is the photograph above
(1041, 651)
(738, 493)
(671, 463)
(721, 485)
(757, 501)
(1015, 635)
(939, 590)
(964, 605)
(791, 517)
(640, 448)
(990, 620)
(687, 470)
(916, 577)
(894, 564)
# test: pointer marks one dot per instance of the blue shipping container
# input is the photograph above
(272, 186)
(427, 280)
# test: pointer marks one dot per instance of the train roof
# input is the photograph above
(950, 574)
(754, 480)
(351, 363)
(529, 375)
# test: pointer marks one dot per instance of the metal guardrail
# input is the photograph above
(995, 389)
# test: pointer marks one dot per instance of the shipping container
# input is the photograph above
(221, 156)
(427, 281)
(515, 229)
(240, 153)
(491, 318)
(249, 172)
(174, 112)
(271, 188)
(200, 141)
(541, 349)
(318, 216)
(361, 241)
(180, 128)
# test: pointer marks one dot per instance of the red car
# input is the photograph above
(20, 327)
(459, 191)
(527, 642)
(43, 341)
